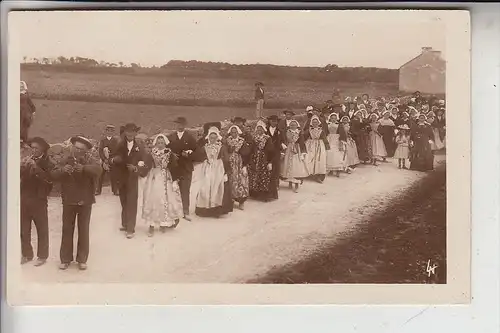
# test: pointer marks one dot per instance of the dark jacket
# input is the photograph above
(112, 145)
(259, 94)
(77, 188)
(122, 158)
(36, 181)
(277, 140)
(185, 143)
(268, 150)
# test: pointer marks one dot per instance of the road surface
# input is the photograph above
(241, 246)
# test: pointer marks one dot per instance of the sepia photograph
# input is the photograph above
(268, 148)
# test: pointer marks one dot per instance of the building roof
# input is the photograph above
(424, 50)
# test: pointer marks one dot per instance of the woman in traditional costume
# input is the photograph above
(386, 128)
(403, 143)
(440, 124)
(214, 196)
(437, 142)
(317, 146)
(352, 158)
(294, 167)
(239, 153)
(359, 130)
(421, 156)
(260, 165)
(336, 156)
(376, 141)
(162, 203)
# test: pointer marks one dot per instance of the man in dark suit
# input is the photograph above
(36, 185)
(77, 174)
(129, 162)
(259, 100)
(283, 123)
(107, 149)
(183, 145)
(278, 140)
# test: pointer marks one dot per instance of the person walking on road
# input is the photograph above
(77, 174)
(129, 162)
(183, 145)
(259, 99)
(107, 149)
(36, 185)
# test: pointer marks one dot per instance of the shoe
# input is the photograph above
(25, 260)
(82, 266)
(151, 231)
(40, 262)
(130, 235)
(123, 229)
(63, 266)
(163, 229)
(187, 217)
(176, 223)
(404, 167)
(241, 206)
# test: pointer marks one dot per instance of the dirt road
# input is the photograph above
(232, 249)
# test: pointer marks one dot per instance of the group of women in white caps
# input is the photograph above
(244, 161)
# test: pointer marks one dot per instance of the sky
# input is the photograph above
(296, 38)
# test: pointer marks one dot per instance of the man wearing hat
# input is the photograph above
(107, 148)
(77, 174)
(284, 123)
(259, 99)
(36, 185)
(129, 164)
(183, 145)
(278, 141)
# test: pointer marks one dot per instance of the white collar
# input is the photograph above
(180, 134)
(109, 137)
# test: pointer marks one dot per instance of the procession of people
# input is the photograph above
(236, 164)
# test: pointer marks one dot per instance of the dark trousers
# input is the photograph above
(112, 178)
(275, 179)
(71, 215)
(185, 188)
(34, 210)
(128, 199)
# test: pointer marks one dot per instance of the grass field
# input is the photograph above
(153, 90)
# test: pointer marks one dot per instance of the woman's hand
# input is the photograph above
(270, 166)
(175, 185)
(225, 178)
(244, 171)
(302, 156)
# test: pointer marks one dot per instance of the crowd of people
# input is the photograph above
(236, 163)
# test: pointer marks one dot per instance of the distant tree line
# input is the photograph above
(193, 68)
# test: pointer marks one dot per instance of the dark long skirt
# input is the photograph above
(421, 156)
(227, 204)
(259, 177)
(363, 145)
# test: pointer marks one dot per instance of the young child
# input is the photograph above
(402, 150)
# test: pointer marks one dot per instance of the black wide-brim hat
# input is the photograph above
(238, 119)
(207, 126)
(40, 141)
(131, 127)
(180, 120)
(259, 83)
(272, 117)
(289, 112)
(81, 139)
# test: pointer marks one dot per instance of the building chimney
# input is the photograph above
(426, 49)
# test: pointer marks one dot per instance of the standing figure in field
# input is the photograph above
(36, 184)
(259, 100)
(238, 155)
(162, 204)
(294, 167)
(352, 158)
(215, 196)
(336, 156)
(421, 158)
(376, 141)
(260, 166)
(129, 162)
(27, 112)
(279, 146)
(386, 128)
(78, 174)
(183, 145)
(317, 146)
(107, 149)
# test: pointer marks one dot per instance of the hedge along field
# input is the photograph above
(154, 90)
